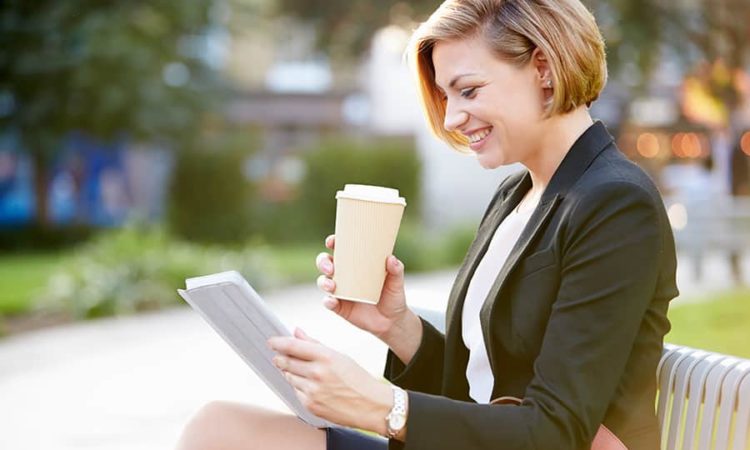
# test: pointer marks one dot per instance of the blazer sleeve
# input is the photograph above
(610, 263)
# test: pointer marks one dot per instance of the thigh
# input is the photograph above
(347, 439)
(235, 426)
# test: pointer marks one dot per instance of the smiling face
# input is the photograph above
(497, 105)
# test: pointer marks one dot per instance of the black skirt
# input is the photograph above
(347, 439)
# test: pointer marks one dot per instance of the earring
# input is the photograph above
(549, 84)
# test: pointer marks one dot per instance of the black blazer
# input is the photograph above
(573, 324)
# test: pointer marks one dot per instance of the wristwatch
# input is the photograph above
(395, 421)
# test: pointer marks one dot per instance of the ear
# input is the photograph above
(541, 66)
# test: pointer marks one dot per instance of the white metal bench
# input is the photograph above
(704, 397)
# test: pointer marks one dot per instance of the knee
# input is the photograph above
(229, 426)
(204, 429)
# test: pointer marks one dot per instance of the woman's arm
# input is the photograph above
(404, 337)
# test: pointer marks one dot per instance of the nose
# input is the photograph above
(454, 117)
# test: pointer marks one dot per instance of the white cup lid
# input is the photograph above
(371, 193)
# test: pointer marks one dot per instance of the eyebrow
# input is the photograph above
(455, 80)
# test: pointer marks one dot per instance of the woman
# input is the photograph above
(562, 297)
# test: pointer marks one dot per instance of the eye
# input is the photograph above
(468, 92)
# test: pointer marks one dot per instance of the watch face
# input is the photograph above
(397, 421)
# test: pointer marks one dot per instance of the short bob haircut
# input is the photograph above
(564, 30)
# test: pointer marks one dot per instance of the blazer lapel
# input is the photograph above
(478, 248)
(536, 224)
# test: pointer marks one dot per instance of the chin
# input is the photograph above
(490, 163)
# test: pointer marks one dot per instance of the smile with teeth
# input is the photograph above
(479, 135)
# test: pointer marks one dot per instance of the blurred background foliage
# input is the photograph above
(252, 165)
(337, 162)
(106, 68)
(638, 32)
(210, 199)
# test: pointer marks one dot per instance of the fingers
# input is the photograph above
(301, 384)
(341, 307)
(324, 263)
(332, 303)
(394, 266)
(326, 284)
(298, 348)
(394, 282)
(330, 241)
(296, 367)
(300, 334)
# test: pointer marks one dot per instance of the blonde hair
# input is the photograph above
(564, 30)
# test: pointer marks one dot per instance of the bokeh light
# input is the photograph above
(648, 145)
(745, 143)
(678, 216)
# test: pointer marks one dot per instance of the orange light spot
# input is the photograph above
(647, 145)
(745, 143)
(692, 145)
(677, 145)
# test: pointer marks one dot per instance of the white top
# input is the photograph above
(478, 371)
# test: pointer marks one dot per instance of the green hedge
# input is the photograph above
(134, 269)
(210, 199)
(390, 163)
(421, 251)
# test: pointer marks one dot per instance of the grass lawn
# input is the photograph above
(719, 324)
(22, 276)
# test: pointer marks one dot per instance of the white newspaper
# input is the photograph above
(235, 311)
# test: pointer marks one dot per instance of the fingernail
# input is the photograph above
(329, 302)
(327, 267)
(328, 284)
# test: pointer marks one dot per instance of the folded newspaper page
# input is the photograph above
(238, 314)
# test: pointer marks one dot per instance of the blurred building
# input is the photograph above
(297, 103)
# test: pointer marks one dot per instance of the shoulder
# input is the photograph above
(616, 197)
(612, 180)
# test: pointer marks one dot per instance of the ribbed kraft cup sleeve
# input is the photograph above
(365, 236)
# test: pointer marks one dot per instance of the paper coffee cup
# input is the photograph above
(367, 222)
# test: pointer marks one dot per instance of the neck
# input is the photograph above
(558, 135)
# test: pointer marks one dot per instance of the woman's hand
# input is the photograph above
(331, 385)
(381, 319)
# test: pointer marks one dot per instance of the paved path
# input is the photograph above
(132, 383)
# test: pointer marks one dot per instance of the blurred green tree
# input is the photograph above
(127, 67)
(636, 31)
(697, 31)
(345, 27)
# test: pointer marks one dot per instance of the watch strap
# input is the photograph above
(399, 409)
